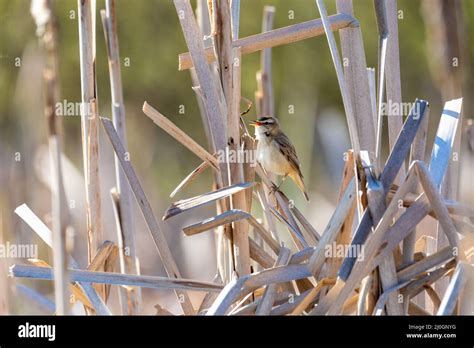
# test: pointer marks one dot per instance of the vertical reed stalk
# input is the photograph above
(129, 263)
(48, 35)
(90, 125)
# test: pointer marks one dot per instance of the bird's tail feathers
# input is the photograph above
(298, 180)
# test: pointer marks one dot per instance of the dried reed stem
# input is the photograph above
(129, 263)
(90, 125)
(151, 282)
(417, 153)
(48, 35)
(351, 118)
(354, 84)
(145, 207)
(164, 123)
(392, 76)
(381, 16)
(277, 37)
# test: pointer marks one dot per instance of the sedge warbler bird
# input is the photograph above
(276, 153)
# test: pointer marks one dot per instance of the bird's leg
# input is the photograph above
(282, 180)
(277, 188)
(273, 189)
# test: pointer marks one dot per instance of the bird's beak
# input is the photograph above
(255, 123)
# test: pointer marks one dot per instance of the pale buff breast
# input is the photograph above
(271, 158)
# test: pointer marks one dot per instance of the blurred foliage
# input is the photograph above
(150, 37)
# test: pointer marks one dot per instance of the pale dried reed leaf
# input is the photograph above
(170, 128)
(205, 198)
(189, 178)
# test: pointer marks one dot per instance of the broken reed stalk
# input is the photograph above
(354, 86)
(204, 24)
(259, 255)
(277, 37)
(354, 83)
(237, 170)
(211, 95)
(392, 76)
(417, 268)
(351, 119)
(206, 198)
(164, 123)
(381, 16)
(60, 254)
(235, 18)
(229, 61)
(230, 216)
(48, 36)
(418, 286)
(129, 264)
(151, 282)
(417, 153)
(376, 200)
(147, 212)
(373, 93)
(90, 125)
(265, 104)
(188, 179)
(211, 99)
(449, 187)
(439, 208)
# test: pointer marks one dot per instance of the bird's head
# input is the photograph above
(265, 126)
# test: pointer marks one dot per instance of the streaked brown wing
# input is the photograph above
(289, 151)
